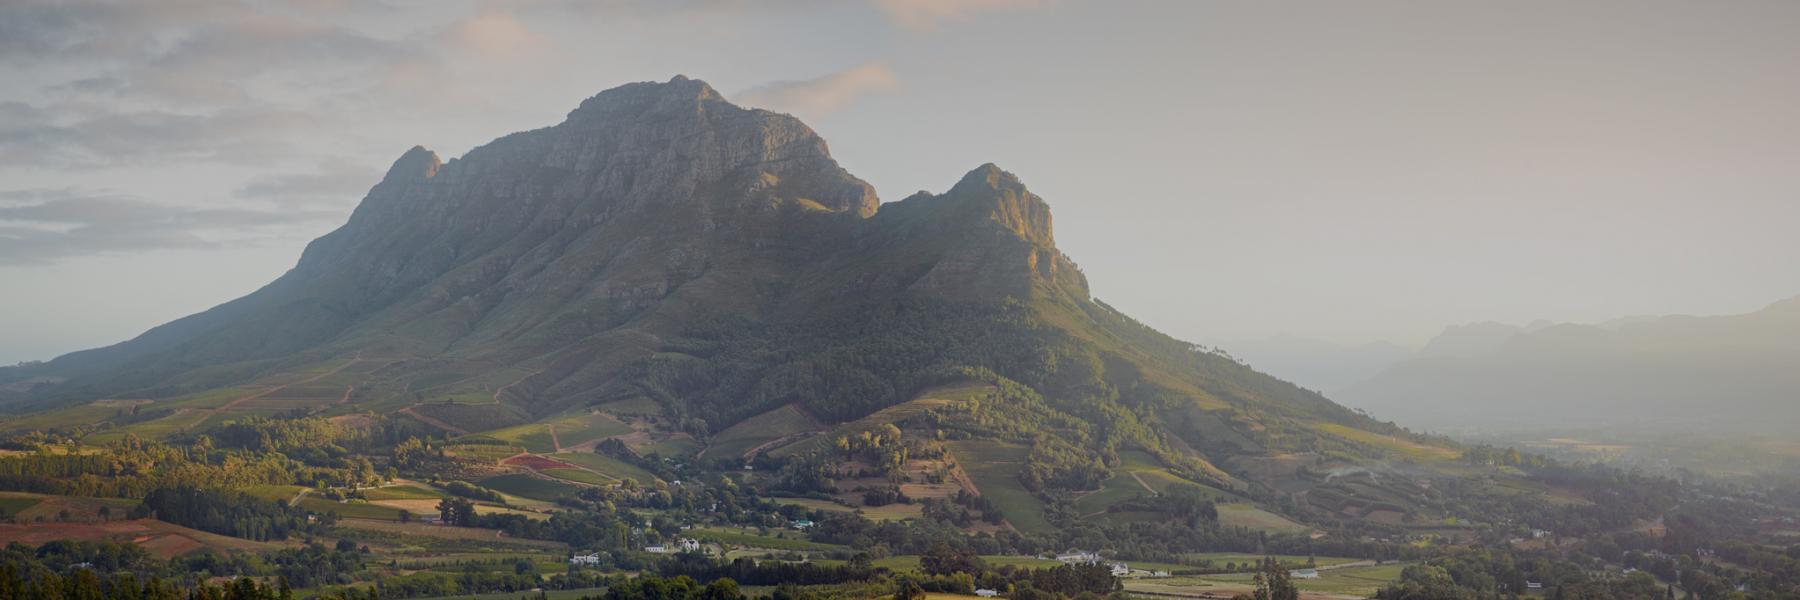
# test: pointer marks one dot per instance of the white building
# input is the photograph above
(585, 559)
(1304, 574)
(986, 593)
(1078, 557)
(681, 545)
(1120, 569)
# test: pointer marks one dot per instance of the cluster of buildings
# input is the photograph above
(681, 545)
(1119, 568)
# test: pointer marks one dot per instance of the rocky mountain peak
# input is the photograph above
(676, 97)
(416, 164)
(1005, 201)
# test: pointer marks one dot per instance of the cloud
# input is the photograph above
(335, 183)
(823, 94)
(41, 226)
(36, 137)
(493, 32)
(925, 14)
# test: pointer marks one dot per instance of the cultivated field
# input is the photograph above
(994, 467)
(740, 439)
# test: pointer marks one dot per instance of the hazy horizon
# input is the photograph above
(1223, 172)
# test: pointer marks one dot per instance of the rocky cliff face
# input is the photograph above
(586, 240)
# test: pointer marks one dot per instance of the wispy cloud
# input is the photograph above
(336, 183)
(823, 94)
(35, 137)
(40, 226)
(493, 32)
(926, 14)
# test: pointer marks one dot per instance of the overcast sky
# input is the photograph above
(1347, 171)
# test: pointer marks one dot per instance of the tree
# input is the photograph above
(908, 589)
(1273, 583)
(943, 559)
(457, 511)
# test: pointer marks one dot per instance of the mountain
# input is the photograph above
(1729, 373)
(1318, 364)
(709, 274)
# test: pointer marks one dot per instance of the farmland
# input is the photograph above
(994, 466)
(556, 434)
(611, 467)
(1249, 516)
(760, 429)
(529, 486)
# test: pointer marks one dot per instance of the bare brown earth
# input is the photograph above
(161, 539)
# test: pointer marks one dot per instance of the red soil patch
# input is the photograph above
(161, 539)
(536, 463)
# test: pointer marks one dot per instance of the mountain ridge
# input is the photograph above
(663, 247)
(1684, 369)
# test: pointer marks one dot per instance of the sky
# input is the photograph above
(1221, 170)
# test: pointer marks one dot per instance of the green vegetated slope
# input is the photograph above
(995, 468)
(782, 422)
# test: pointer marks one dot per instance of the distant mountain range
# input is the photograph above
(1318, 364)
(1725, 373)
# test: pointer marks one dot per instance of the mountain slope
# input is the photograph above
(664, 248)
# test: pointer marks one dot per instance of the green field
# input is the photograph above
(910, 562)
(1348, 581)
(1119, 488)
(674, 446)
(639, 406)
(793, 540)
(529, 486)
(277, 493)
(890, 512)
(471, 417)
(403, 492)
(1249, 516)
(578, 476)
(359, 510)
(1407, 448)
(995, 468)
(14, 505)
(757, 430)
(1219, 559)
(570, 431)
(492, 452)
(612, 467)
(545, 595)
